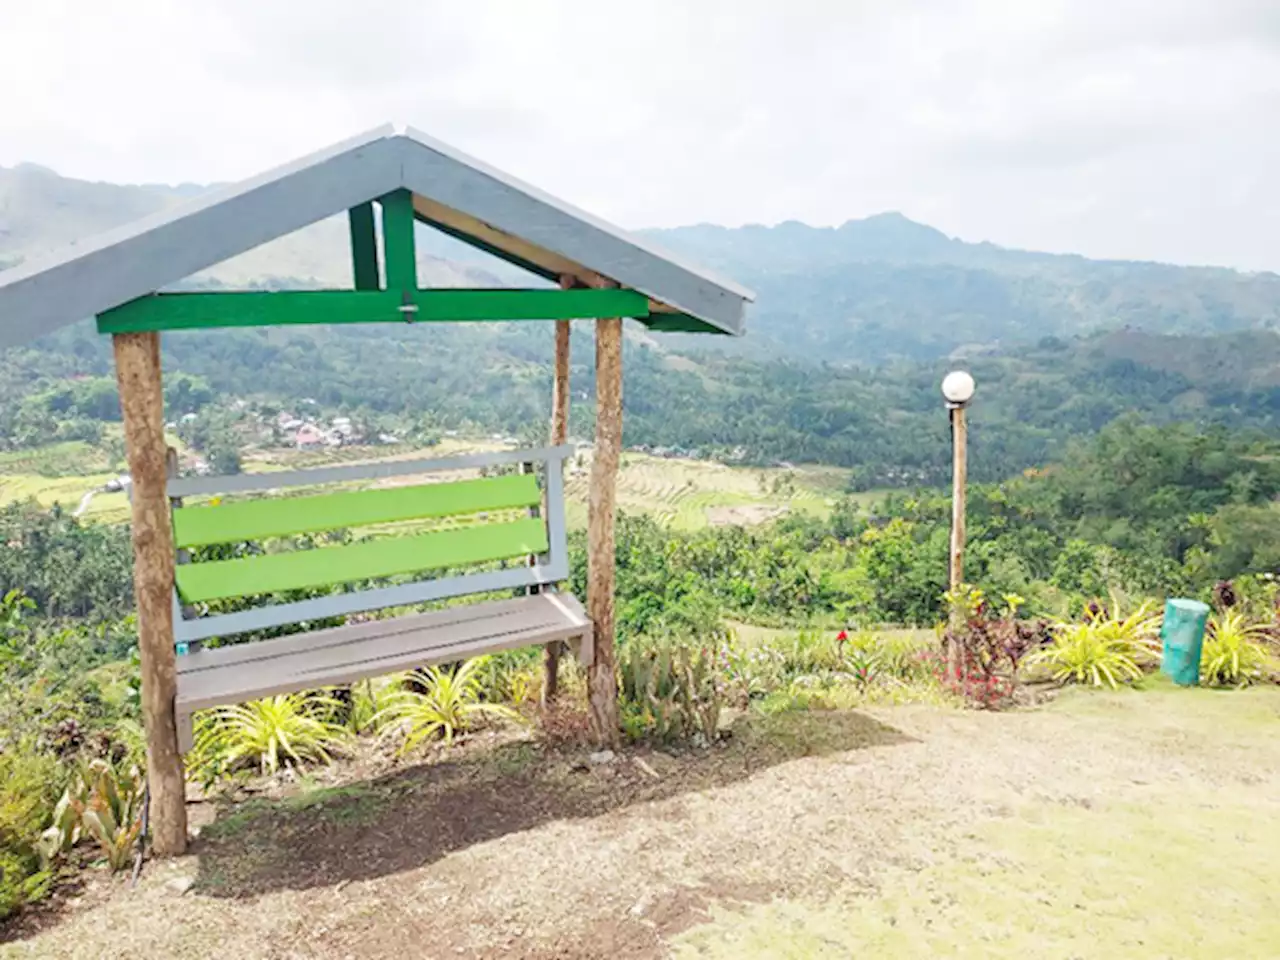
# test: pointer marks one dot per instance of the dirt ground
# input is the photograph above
(1130, 824)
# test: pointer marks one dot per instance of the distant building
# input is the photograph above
(308, 435)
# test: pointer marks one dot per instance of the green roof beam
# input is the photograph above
(397, 241)
(364, 247)
(201, 311)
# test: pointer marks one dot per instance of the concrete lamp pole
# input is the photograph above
(957, 390)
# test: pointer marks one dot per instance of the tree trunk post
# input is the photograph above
(137, 357)
(959, 470)
(559, 434)
(602, 683)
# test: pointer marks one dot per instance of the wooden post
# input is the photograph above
(959, 469)
(602, 684)
(559, 434)
(142, 405)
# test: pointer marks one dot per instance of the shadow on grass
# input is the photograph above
(418, 815)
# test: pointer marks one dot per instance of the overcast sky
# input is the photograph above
(1113, 128)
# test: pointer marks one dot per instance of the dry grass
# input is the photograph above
(1135, 823)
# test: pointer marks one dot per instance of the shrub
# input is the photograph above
(986, 648)
(449, 704)
(1233, 652)
(809, 652)
(751, 671)
(512, 676)
(103, 803)
(29, 786)
(267, 733)
(1103, 651)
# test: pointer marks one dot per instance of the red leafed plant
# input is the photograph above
(989, 648)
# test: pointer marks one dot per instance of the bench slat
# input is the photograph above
(372, 559)
(331, 605)
(285, 516)
(358, 651)
(316, 640)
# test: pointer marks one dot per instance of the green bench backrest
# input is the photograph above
(492, 525)
(371, 559)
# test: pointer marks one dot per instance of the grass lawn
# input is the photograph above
(1175, 862)
(1131, 824)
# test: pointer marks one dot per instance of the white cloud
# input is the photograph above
(1119, 128)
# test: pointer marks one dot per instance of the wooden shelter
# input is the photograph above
(401, 178)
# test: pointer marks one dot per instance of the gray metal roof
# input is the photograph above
(453, 192)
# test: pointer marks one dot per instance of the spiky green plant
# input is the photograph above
(1082, 654)
(103, 803)
(269, 733)
(370, 700)
(1104, 651)
(1234, 654)
(670, 689)
(809, 652)
(1138, 630)
(449, 704)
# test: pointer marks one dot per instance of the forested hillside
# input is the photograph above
(887, 423)
(868, 292)
(885, 287)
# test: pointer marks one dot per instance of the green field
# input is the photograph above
(691, 494)
(684, 494)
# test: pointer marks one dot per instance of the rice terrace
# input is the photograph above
(398, 560)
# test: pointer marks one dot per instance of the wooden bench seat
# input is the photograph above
(357, 651)
(507, 520)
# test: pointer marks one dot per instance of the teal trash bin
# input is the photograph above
(1183, 638)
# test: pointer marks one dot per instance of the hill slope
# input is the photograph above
(887, 287)
(866, 292)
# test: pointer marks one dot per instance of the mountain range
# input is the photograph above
(868, 292)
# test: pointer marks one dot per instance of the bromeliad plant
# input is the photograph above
(291, 728)
(1234, 655)
(1105, 650)
(446, 701)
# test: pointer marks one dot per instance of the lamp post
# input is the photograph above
(957, 391)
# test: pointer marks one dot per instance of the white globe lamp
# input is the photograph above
(957, 388)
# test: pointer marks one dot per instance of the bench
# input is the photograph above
(496, 534)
